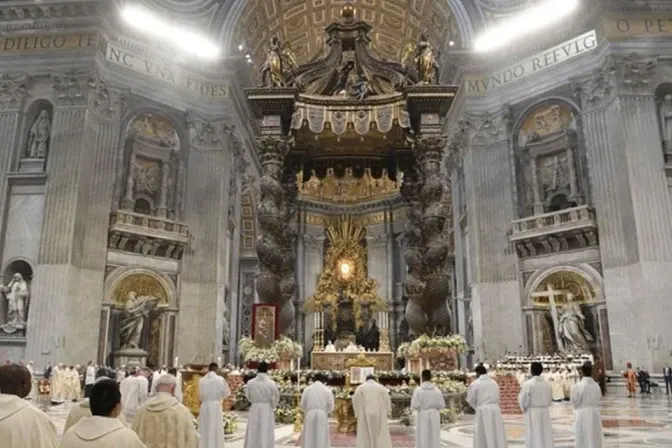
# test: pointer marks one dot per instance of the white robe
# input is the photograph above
(101, 432)
(212, 389)
(317, 402)
(535, 398)
(82, 410)
(32, 393)
(133, 395)
(483, 396)
(372, 406)
(264, 396)
(178, 388)
(428, 401)
(557, 385)
(163, 422)
(56, 384)
(586, 397)
(23, 425)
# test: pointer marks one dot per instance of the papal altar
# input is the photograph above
(340, 361)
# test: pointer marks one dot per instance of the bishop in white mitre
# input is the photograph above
(535, 399)
(264, 396)
(372, 406)
(317, 402)
(212, 389)
(586, 396)
(165, 422)
(103, 429)
(21, 424)
(133, 394)
(428, 401)
(483, 396)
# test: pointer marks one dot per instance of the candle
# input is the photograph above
(219, 361)
(175, 364)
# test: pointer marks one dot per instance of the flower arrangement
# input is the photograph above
(426, 344)
(230, 422)
(286, 414)
(283, 348)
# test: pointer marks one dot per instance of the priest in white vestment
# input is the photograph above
(586, 397)
(21, 424)
(103, 429)
(133, 394)
(483, 396)
(317, 402)
(428, 401)
(372, 406)
(212, 389)
(264, 396)
(83, 409)
(163, 421)
(56, 383)
(535, 399)
(558, 388)
(178, 386)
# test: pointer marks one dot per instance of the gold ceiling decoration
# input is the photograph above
(346, 246)
(347, 189)
(141, 285)
(301, 23)
(547, 120)
(155, 130)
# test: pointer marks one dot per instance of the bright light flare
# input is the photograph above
(534, 19)
(346, 269)
(182, 38)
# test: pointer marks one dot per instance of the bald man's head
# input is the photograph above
(15, 380)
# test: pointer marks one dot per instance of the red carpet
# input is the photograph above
(338, 440)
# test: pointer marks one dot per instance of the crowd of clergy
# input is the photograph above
(133, 413)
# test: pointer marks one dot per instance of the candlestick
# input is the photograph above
(219, 361)
(176, 361)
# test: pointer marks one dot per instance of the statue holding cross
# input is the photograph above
(568, 321)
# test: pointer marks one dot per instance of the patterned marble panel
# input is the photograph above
(24, 223)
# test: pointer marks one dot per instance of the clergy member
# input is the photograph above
(103, 429)
(372, 406)
(483, 396)
(317, 402)
(89, 379)
(83, 409)
(133, 394)
(263, 395)
(428, 401)
(212, 389)
(535, 398)
(165, 422)
(178, 387)
(586, 397)
(22, 425)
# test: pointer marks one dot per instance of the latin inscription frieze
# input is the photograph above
(56, 42)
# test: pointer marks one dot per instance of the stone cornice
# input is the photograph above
(25, 16)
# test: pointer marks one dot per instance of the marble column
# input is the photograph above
(57, 274)
(105, 107)
(632, 208)
(199, 322)
(310, 266)
(496, 302)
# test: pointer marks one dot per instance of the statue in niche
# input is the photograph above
(136, 310)
(666, 121)
(572, 327)
(39, 136)
(17, 295)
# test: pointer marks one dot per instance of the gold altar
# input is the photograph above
(338, 361)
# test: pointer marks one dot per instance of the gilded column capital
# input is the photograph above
(106, 102)
(13, 90)
(485, 129)
(208, 135)
(71, 88)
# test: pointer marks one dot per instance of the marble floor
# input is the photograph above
(628, 423)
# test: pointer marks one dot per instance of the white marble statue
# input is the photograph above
(17, 295)
(38, 137)
(133, 319)
(351, 348)
(330, 348)
(666, 120)
(572, 327)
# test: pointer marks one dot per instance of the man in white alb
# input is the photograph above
(89, 379)
(586, 397)
(535, 398)
(317, 402)
(212, 389)
(428, 401)
(264, 396)
(133, 394)
(483, 396)
(372, 406)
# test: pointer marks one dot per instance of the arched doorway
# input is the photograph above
(566, 313)
(138, 319)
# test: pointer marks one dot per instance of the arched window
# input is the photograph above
(142, 206)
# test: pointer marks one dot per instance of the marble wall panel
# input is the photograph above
(24, 224)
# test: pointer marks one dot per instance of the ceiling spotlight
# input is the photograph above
(240, 47)
(451, 43)
(248, 56)
(533, 19)
(182, 38)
